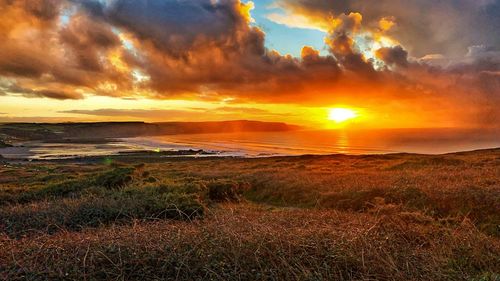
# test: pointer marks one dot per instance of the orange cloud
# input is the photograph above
(209, 50)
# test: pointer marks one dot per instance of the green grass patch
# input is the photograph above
(119, 206)
(113, 179)
(116, 178)
(226, 190)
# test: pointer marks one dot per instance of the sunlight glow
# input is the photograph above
(340, 115)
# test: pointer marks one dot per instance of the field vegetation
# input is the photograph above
(379, 217)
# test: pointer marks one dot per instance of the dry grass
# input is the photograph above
(395, 217)
(244, 242)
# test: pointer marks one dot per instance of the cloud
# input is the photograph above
(243, 110)
(88, 40)
(397, 53)
(55, 59)
(367, 38)
(59, 94)
(42, 9)
(422, 26)
(393, 56)
(298, 21)
(137, 113)
(175, 114)
(210, 50)
(36, 119)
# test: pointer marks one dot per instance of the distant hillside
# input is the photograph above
(50, 131)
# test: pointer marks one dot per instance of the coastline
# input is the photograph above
(150, 156)
(184, 146)
(84, 140)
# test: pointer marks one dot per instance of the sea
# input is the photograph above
(268, 144)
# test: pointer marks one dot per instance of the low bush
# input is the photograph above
(411, 197)
(116, 178)
(355, 200)
(61, 189)
(481, 205)
(226, 190)
(115, 207)
(358, 200)
(425, 161)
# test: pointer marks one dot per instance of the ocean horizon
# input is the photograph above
(268, 144)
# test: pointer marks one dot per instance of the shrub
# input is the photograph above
(115, 178)
(481, 205)
(194, 187)
(356, 200)
(424, 162)
(114, 207)
(410, 197)
(226, 190)
(150, 179)
(359, 200)
(62, 189)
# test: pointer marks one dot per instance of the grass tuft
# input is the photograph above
(116, 178)
(226, 190)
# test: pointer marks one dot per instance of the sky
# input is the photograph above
(394, 63)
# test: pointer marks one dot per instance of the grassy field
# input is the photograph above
(392, 217)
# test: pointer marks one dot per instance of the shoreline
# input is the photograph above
(242, 145)
(153, 156)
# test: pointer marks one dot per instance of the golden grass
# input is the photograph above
(394, 217)
(236, 242)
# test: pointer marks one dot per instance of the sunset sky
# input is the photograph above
(392, 63)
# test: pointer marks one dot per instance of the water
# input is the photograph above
(263, 144)
(428, 141)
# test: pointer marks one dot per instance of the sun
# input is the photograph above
(340, 115)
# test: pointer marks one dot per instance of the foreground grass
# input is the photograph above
(247, 242)
(395, 217)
